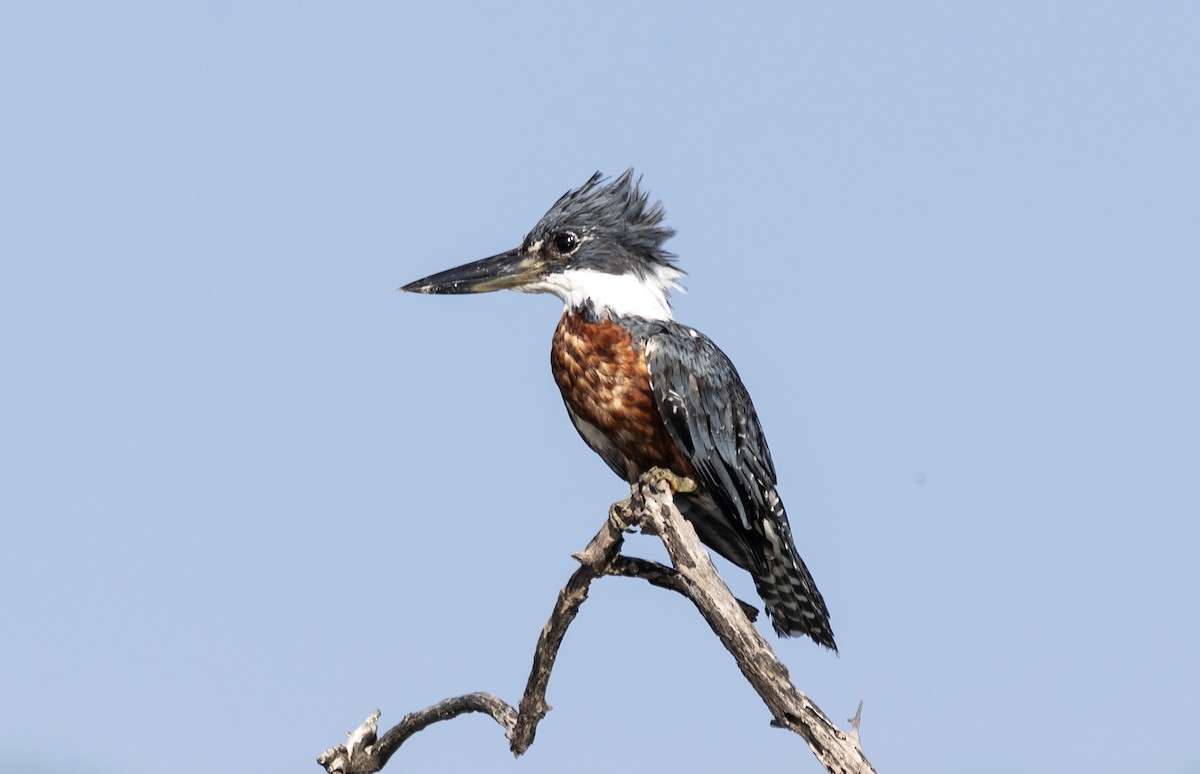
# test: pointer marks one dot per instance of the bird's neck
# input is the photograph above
(623, 295)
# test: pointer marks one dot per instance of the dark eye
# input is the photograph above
(566, 242)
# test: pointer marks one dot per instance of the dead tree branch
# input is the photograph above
(651, 507)
(662, 576)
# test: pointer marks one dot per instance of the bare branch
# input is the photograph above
(362, 754)
(651, 506)
(593, 562)
(838, 752)
(662, 576)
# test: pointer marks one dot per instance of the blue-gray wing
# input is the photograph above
(737, 511)
(710, 416)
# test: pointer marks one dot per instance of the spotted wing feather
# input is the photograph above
(737, 511)
(709, 414)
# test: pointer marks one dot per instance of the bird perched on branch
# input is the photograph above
(645, 391)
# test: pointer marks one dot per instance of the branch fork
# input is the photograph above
(650, 506)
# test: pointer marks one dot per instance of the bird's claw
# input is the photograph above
(678, 484)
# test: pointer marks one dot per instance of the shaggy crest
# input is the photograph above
(618, 215)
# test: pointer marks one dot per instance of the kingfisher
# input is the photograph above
(645, 391)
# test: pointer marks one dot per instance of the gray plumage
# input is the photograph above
(626, 232)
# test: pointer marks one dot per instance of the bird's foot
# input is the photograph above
(679, 484)
(621, 514)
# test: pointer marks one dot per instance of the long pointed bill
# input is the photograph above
(506, 270)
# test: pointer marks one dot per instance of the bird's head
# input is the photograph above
(600, 243)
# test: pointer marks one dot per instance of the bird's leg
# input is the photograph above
(651, 480)
(679, 484)
(621, 514)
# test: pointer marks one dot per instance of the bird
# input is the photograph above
(645, 391)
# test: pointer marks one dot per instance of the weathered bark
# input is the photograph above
(651, 507)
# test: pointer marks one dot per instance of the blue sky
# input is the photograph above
(249, 493)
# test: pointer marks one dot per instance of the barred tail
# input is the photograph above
(794, 604)
(767, 551)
